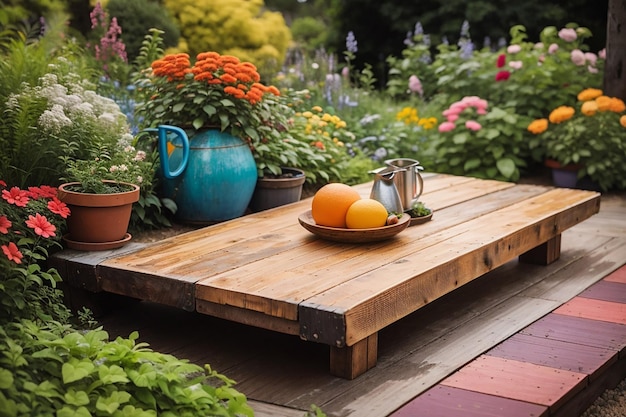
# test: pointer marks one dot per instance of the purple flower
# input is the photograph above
(351, 43)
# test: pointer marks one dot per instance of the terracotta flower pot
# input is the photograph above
(98, 221)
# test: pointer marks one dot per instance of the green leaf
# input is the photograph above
(178, 107)
(472, 164)
(73, 412)
(506, 166)
(6, 379)
(76, 370)
(112, 403)
(77, 398)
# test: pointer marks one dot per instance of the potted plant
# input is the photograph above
(220, 104)
(100, 192)
(586, 139)
(304, 146)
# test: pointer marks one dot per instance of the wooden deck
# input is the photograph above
(283, 375)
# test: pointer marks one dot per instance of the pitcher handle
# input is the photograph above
(163, 154)
(420, 180)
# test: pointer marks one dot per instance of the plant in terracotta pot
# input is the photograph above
(586, 137)
(101, 191)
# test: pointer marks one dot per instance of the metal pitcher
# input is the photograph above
(407, 179)
(385, 191)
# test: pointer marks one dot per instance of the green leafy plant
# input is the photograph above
(120, 165)
(419, 210)
(53, 369)
(589, 135)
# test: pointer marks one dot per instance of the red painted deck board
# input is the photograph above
(578, 330)
(556, 354)
(589, 308)
(617, 276)
(518, 380)
(607, 291)
(444, 401)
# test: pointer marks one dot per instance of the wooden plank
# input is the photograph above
(618, 276)
(558, 354)
(445, 401)
(518, 380)
(606, 311)
(607, 290)
(578, 330)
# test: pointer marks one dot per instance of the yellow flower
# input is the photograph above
(561, 114)
(538, 126)
(589, 94)
(428, 123)
(317, 109)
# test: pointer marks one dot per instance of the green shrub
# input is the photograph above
(53, 370)
(136, 19)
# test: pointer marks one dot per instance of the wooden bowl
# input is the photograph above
(353, 235)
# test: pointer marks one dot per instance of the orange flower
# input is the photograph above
(538, 126)
(561, 114)
(589, 94)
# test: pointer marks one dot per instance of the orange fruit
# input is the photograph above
(365, 214)
(331, 202)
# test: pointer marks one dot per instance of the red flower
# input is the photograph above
(5, 223)
(58, 207)
(501, 61)
(503, 75)
(319, 145)
(2, 183)
(41, 225)
(44, 191)
(12, 252)
(16, 196)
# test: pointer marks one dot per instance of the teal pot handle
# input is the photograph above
(163, 131)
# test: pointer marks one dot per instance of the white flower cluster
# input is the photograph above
(72, 103)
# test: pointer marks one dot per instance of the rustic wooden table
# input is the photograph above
(266, 270)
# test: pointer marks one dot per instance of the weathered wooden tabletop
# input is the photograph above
(266, 270)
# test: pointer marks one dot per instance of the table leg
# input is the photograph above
(351, 361)
(543, 254)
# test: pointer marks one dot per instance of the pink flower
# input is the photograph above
(515, 64)
(41, 225)
(452, 117)
(568, 34)
(3, 184)
(592, 70)
(591, 58)
(16, 196)
(415, 85)
(553, 48)
(12, 252)
(473, 125)
(446, 127)
(5, 223)
(503, 75)
(513, 49)
(601, 55)
(578, 57)
(501, 61)
(58, 207)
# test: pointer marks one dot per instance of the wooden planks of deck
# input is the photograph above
(283, 376)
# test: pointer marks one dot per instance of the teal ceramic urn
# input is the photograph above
(210, 175)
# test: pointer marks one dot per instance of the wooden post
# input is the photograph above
(543, 254)
(351, 361)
